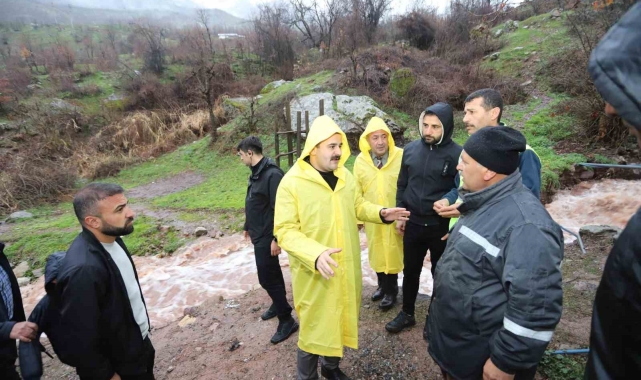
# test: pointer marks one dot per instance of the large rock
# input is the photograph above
(235, 106)
(599, 231)
(60, 104)
(21, 269)
(402, 82)
(23, 281)
(511, 25)
(555, 13)
(351, 113)
(20, 215)
(272, 86)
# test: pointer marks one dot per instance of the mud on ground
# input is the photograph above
(202, 349)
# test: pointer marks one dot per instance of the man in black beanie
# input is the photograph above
(498, 284)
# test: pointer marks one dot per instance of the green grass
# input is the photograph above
(563, 367)
(545, 36)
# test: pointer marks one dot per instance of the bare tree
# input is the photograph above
(154, 55)
(274, 38)
(316, 20)
(370, 13)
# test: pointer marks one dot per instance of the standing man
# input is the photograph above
(427, 173)
(615, 339)
(483, 108)
(376, 171)
(259, 226)
(317, 206)
(12, 320)
(498, 287)
(102, 311)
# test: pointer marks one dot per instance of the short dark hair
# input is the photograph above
(84, 203)
(250, 143)
(491, 99)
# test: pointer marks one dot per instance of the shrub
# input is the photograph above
(402, 82)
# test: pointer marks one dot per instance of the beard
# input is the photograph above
(111, 230)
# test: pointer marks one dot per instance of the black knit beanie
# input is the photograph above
(496, 148)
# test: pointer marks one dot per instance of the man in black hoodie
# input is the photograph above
(427, 173)
(615, 339)
(12, 320)
(103, 315)
(47, 316)
(259, 226)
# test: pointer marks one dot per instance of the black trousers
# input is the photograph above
(417, 240)
(8, 372)
(270, 277)
(389, 283)
(146, 366)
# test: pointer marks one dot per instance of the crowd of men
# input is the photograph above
(495, 252)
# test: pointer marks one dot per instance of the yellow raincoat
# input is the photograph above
(379, 186)
(309, 219)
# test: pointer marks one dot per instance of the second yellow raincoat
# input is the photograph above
(385, 245)
(309, 219)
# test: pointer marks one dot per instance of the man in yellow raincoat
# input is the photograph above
(376, 171)
(317, 206)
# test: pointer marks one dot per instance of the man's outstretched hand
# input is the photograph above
(324, 263)
(395, 213)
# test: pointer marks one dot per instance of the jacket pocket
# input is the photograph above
(469, 271)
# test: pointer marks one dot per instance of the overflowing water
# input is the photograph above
(611, 202)
(226, 267)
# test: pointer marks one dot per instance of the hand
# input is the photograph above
(450, 211)
(491, 372)
(25, 331)
(395, 213)
(246, 235)
(324, 263)
(438, 205)
(445, 237)
(115, 377)
(400, 227)
(275, 248)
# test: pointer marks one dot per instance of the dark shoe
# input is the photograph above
(270, 313)
(425, 328)
(387, 303)
(378, 294)
(334, 374)
(284, 330)
(402, 321)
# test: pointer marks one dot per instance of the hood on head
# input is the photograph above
(445, 114)
(375, 124)
(52, 267)
(615, 66)
(323, 128)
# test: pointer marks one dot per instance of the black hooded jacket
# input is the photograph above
(47, 316)
(261, 200)
(428, 170)
(615, 338)
(8, 352)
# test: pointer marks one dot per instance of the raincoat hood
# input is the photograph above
(445, 114)
(52, 268)
(376, 124)
(615, 66)
(323, 128)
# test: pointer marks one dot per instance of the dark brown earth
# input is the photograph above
(201, 350)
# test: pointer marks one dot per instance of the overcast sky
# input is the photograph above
(244, 8)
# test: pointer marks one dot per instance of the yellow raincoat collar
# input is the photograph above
(376, 124)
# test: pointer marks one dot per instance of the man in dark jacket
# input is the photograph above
(103, 316)
(427, 173)
(498, 292)
(259, 226)
(47, 316)
(483, 108)
(615, 339)
(12, 320)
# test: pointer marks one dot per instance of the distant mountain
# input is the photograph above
(97, 12)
